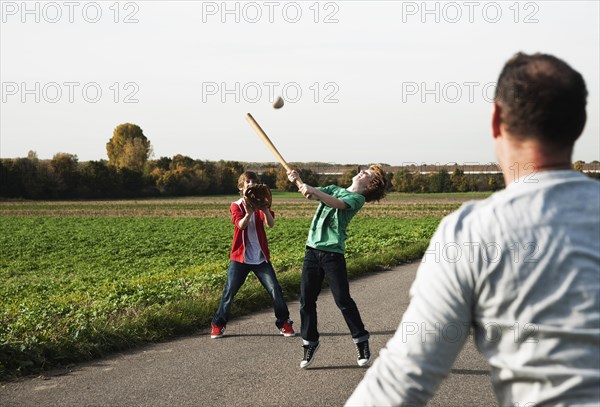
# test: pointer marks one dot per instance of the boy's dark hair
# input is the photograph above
(378, 186)
(251, 175)
(541, 97)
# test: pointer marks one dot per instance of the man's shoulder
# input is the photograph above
(523, 205)
(472, 217)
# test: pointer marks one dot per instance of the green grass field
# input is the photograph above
(80, 279)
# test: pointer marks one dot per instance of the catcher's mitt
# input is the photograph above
(259, 196)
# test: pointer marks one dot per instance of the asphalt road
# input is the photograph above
(252, 365)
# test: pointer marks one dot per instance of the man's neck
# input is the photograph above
(519, 169)
(527, 158)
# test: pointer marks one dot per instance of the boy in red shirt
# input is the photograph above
(250, 252)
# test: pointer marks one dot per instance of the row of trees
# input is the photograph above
(443, 181)
(129, 172)
(65, 177)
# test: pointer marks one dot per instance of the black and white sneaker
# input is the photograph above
(363, 353)
(309, 355)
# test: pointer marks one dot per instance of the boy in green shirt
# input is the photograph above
(324, 256)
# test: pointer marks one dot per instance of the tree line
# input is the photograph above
(129, 173)
(64, 177)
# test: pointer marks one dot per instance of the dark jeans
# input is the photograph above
(317, 265)
(236, 275)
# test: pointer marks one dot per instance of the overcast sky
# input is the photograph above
(364, 82)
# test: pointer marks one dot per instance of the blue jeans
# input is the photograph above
(236, 275)
(317, 265)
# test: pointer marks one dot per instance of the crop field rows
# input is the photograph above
(79, 279)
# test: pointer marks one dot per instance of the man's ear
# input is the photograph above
(496, 120)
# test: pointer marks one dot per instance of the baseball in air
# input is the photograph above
(278, 104)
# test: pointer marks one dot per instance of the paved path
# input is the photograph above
(252, 365)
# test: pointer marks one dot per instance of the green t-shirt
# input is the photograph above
(328, 228)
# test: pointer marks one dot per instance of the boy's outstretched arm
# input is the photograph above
(316, 194)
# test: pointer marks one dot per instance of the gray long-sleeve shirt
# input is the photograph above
(520, 269)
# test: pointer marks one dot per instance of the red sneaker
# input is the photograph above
(287, 329)
(217, 331)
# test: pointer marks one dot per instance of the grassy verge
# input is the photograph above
(156, 322)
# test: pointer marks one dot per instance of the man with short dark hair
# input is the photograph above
(525, 270)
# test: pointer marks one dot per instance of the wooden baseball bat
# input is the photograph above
(269, 144)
